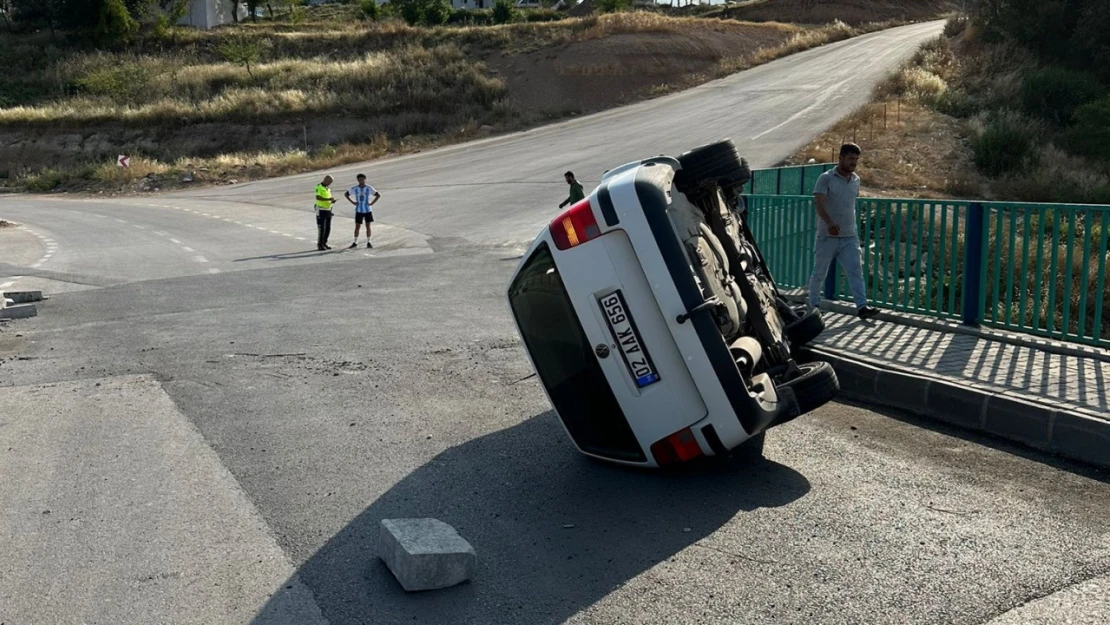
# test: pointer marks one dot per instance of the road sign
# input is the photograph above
(123, 160)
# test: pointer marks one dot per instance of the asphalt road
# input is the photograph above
(208, 419)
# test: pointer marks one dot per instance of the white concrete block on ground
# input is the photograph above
(18, 311)
(23, 297)
(425, 554)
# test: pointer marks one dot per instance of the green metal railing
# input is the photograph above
(795, 180)
(1034, 268)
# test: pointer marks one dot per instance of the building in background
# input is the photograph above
(211, 13)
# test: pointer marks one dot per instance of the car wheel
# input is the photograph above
(716, 163)
(816, 386)
(806, 328)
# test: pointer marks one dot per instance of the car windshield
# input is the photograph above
(565, 361)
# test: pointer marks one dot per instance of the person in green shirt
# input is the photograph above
(323, 205)
(576, 193)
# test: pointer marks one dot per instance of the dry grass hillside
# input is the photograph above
(273, 98)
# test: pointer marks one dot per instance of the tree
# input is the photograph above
(369, 9)
(115, 25)
(234, 10)
(436, 12)
(504, 12)
(243, 50)
(412, 11)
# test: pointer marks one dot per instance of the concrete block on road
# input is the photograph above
(23, 297)
(19, 311)
(425, 554)
(956, 404)
(1018, 420)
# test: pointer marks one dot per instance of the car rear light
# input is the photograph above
(678, 447)
(575, 226)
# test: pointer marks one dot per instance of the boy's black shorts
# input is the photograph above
(364, 217)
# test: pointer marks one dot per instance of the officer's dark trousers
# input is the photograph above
(323, 227)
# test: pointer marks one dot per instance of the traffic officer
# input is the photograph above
(324, 202)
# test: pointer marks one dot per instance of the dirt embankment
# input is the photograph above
(587, 76)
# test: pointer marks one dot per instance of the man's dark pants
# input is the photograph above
(323, 227)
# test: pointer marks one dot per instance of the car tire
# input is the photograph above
(815, 387)
(803, 330)
(716, 163)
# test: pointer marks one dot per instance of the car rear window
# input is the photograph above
(565, 361)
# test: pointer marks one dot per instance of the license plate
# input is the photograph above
(628, 339)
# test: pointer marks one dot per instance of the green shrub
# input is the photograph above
(504, 12)
(43, 181)
(467, 17)
(955, 26)
(115, 25)
(412, 12)
(613, 6)
(1090, 132)
(1054, 93)
(122, 83)
(1006, 144)
(436, 12)
(957, 103)
(369, 9)
(542, 15)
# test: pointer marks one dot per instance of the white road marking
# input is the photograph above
(161, 234)
(139, 227)
(301, 239)
(175, 241)
(187, 248)
(200, 259)
(286, 234)
(213, 270)
(120, 220)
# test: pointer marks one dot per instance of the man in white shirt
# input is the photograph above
(835, 197)
(363, 196)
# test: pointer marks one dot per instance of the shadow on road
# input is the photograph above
(554, 532)
(291, 255)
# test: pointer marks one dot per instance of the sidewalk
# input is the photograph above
(1048, 395)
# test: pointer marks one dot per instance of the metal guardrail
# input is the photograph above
(1035, 268)
(794, 180)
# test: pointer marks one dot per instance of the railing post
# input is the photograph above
(778, 181)
(830, 282)
(974, 234)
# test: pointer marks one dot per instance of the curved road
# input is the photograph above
(208, 420)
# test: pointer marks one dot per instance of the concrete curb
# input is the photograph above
(1067, 432)
(949, 327)
(19, 311)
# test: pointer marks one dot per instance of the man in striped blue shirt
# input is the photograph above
(363, 196)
